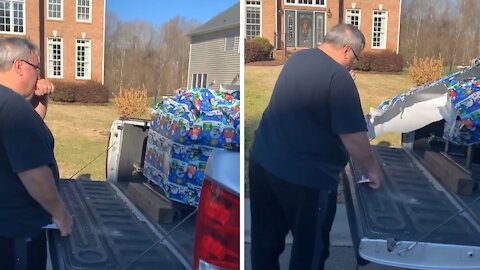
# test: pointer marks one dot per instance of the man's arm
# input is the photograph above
(358, 147)
(40, 98)
(40, 104)
(40, 184)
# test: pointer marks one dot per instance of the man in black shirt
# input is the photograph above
(28, 171)
(313, 122)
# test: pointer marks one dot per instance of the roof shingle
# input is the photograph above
(227, 19)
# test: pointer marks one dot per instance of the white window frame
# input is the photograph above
(384, 17)
(349, 15)
(61, 11)
(50, 42)
(253, 4)
(199, 77)
(313, 4)
(88, 56)
(229, 38)
(12, 18)
(90, 6)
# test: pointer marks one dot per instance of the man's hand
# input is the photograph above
(39, 100)
(64, 223)
(44, 87)
(40, 184)
(358, 146)
(376, 179)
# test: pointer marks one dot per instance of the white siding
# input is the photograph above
(208, 56)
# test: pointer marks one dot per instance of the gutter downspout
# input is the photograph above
(399, 19)
(189, 63)
(103, 47)
(340, 11)
(276, 25)
(41, 33)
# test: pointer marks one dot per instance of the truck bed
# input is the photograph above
(385, 222)
(109, 233)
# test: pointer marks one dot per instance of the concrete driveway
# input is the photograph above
(342, 255)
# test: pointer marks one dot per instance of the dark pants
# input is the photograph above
(278, 207)
(23, 253)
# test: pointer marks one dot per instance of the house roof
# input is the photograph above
(227, 19)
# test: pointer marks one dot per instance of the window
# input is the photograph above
(253, 19)
(83, 62)
(54, 9)
(229, 42)
(306, 2)
(12, 14)
(54, 58)
(379, 29)
(353, 17)
(84, 10)
(199, 81)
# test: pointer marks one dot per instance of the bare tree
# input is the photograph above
(442, 28)
(139, 54)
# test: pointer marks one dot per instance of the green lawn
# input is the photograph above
(373, 89)
(81, 134)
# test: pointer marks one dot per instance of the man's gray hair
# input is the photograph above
(346, 34)
(12, 48)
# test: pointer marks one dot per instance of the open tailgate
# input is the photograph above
(386, 223)
(109, 233)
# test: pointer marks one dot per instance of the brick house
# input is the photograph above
(69, 33)
(297, 24)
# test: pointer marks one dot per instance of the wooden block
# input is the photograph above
(156, 207)
(448, 173)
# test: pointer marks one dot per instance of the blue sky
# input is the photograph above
(159, 11)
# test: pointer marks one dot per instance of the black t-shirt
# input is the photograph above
(313, 101)
(25, 143)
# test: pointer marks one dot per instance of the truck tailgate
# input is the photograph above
(385, 222)
(108, 232)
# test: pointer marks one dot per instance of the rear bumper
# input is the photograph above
(432, 256)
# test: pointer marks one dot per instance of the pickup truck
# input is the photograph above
(111, 232)
(416, 220)
(427, 214)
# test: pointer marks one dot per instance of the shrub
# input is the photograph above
(91, 92)
(84, 92)
(384, 61)
(253, 51)
(257, 49)
(131, 102)
(363, 62)
(267, 47)
(424, 70)
(64, 91)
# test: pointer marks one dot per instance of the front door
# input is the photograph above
(305, 29)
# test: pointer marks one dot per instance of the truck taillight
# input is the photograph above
(217, 232)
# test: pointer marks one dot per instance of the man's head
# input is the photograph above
(344, 43)
(19, 65)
